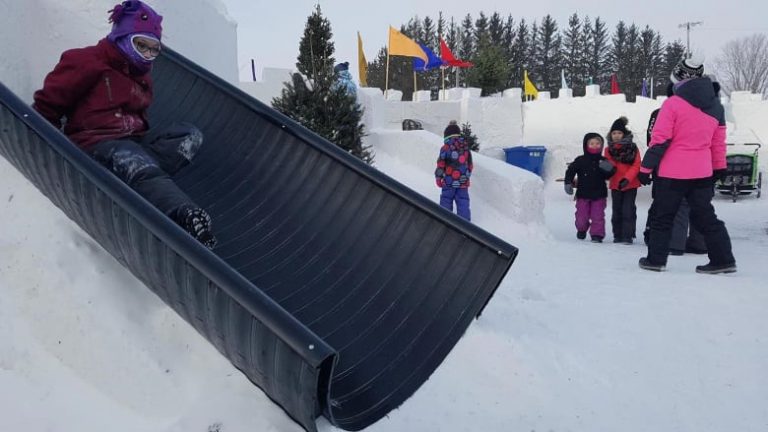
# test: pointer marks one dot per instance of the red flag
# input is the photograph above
(449, 59)
(614, 85)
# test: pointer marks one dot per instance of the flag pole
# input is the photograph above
(386, 80)
(442, 81)
(413, 98)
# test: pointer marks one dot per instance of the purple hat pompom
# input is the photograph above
(133, 16)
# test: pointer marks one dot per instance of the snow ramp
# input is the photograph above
(334, 288)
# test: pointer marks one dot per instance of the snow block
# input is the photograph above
(325, 290)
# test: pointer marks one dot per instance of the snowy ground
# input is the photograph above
(577, 338)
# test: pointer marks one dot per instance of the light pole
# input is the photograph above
(687, 26)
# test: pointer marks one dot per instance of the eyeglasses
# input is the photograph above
(143, 48)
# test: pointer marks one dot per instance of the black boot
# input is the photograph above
(716, 269)
(197, 223)
(581, 235)
(645, 264)
(597, 239)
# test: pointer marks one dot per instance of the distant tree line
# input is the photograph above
(502, 48)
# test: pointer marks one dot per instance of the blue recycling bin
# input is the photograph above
(530, 158)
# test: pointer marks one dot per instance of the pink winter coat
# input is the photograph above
(693, 123)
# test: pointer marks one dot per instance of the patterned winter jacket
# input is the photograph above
(454, 165)
(94, 89)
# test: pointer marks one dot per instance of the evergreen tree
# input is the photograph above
(619, 55)
(316, 48)
(548, 55)
(496, 30)
(482, 33)
(673, 53)
(519, 55)
(597, 61)
(314, 99)
(532, 65)
(508, 44)
(573, 53)
(466, 46)
(490, 71)
(652, 56)
(469, 137)
(453, 40)
(377, 69)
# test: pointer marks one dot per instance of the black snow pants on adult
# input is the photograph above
(146, 163)
(698, 192)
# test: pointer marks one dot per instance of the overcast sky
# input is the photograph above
(270, 33)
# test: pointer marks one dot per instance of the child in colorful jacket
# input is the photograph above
(623, 153)
(454, 168)
(104, 92)
(588, 174)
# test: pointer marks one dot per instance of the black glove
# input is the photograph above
(568, 188)
(645, 178)
(623, 183)
(605, 166)
(719, 174)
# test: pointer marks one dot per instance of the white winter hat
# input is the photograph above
(687, 68)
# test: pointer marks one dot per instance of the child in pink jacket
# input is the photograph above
(687, 149)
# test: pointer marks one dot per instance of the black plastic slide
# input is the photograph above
(334, 288)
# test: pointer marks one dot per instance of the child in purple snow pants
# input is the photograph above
(590, 215)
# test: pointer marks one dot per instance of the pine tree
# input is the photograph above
(673, 53)
(619, 55)
(548, 55)
(377, 69)
(467, 45)
(651, 55)
(597, 53)
(490, 71)
(508, 38)
(519, 54)
(573, 52)
(532, 64)
(469, 137)
(482, 34)
(496, 30)
(313, 99)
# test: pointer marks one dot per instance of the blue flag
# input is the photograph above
(644, 91)
(433, 63)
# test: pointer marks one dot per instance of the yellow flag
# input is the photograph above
(530, 89)
(400, 45)
(362, 64)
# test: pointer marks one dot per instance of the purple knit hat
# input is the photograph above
(133, 16)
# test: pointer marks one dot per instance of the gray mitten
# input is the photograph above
(605, 166)
(568, 188)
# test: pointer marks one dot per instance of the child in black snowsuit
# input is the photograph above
(588, 173)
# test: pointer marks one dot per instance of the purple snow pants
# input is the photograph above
(461, 196)
(590, 215)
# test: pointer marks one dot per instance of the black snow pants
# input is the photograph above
(698, 192)
(146, 163)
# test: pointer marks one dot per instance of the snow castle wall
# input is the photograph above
(35, 33)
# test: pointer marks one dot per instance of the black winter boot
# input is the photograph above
(197, 223)
(716, 269)
(581, 235)
(645, 264)
(597, 239)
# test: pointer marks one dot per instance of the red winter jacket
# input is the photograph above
(93, 88)
(623, 170)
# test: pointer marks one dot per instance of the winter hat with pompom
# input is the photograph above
(620, 124)
(686, 69)
(134, 17)
(452, 129)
